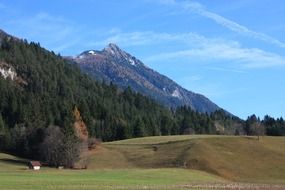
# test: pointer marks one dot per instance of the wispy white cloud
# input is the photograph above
(213, 89)
(225, 70)
(56, 33)
(126, 39)
(197, 8)
(195, 78)
(192, 78)
(146, 38)
(221, 50)
(198, 47)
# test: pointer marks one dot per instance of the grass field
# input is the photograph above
(175, 162)
(15, 175)
(104, 179)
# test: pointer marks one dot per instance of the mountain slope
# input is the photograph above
(115, 65)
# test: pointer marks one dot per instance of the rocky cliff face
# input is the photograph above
(119, 67)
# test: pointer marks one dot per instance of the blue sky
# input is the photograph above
(230, 51)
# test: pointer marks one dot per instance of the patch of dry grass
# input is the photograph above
(236, 158)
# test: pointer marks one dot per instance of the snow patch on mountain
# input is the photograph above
(176, 94)
(92, 52)
(131, 61)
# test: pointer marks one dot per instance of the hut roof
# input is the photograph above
(35, 163)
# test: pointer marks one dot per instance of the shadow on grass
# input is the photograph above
(255, 138)
(13, 161)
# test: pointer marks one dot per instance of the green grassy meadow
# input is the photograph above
(171, 162)
(104, 179)
(15, 175)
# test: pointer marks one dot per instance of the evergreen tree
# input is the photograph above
(138, 128)
(2, 125)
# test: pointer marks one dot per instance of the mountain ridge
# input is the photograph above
(112, 64)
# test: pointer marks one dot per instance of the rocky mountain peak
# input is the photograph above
(113, 46)
(114, 50)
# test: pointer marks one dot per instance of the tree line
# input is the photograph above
(268, 126)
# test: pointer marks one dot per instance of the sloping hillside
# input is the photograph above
(235, 158)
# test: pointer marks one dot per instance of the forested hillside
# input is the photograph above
(39, 89)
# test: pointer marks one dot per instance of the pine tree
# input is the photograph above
(2, 125)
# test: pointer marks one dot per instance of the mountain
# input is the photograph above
(39, 89)
(119, 67)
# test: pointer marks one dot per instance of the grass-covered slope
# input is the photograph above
(14, 175)
(9, 162)
(235, 158)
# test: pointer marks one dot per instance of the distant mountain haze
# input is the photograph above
(112, 64)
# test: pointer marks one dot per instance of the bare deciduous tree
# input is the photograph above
(72, 150)
(258, 129)
(52, 148)
(58, 149)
